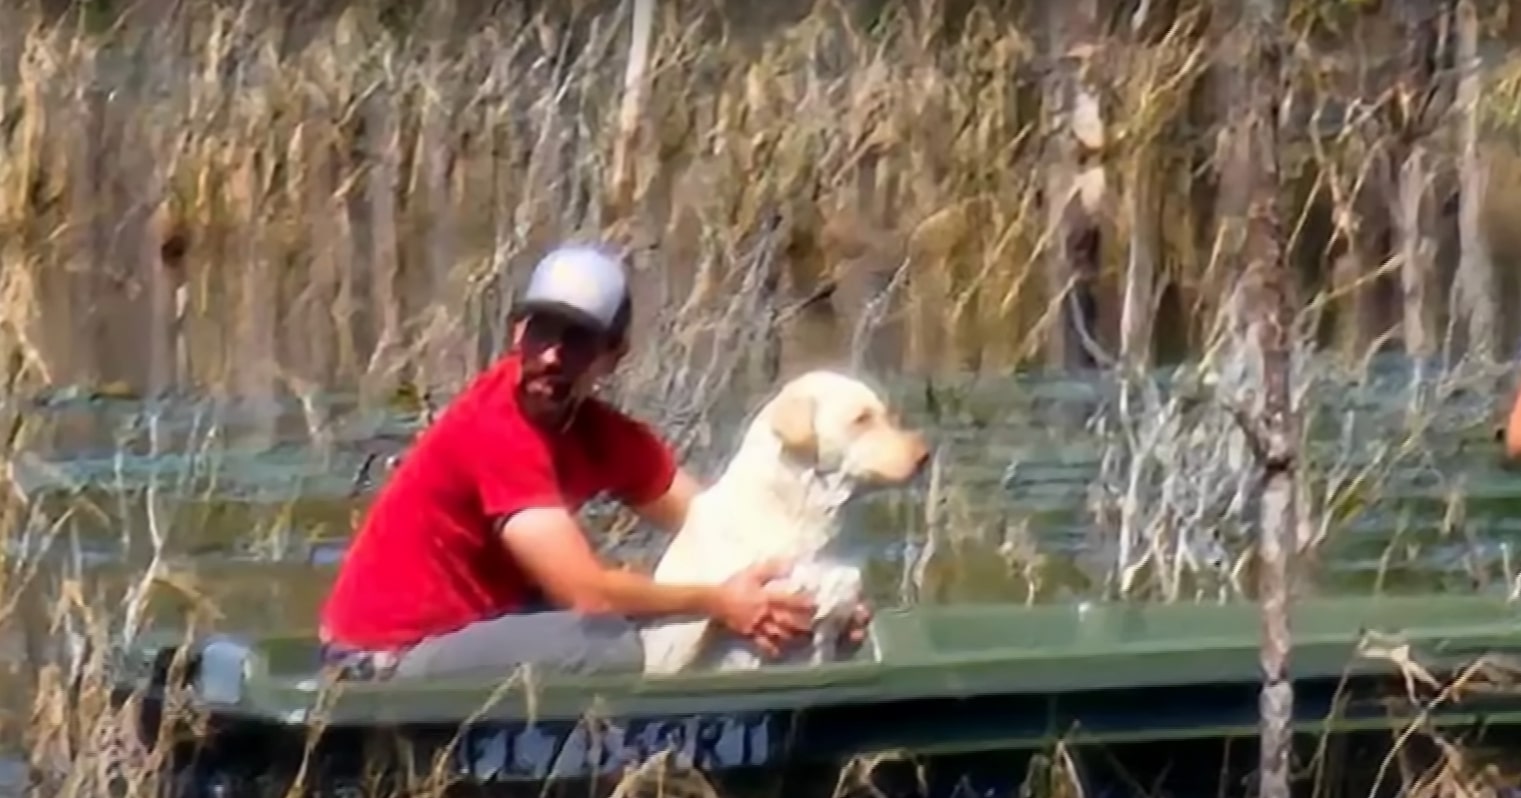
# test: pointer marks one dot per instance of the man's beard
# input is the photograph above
(547, 397)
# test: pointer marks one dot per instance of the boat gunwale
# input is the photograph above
(911, 668)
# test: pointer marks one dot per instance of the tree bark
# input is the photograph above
(1476, 272)
(382, 261)
(258, 319)
(321, 307)
(445, 364)
(1273, 426)
(1410, 111)
(1416, 248)
(631, 110)
(1075, 184)
(1139, 300)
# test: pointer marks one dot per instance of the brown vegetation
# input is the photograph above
(244, 200)
(249, 200)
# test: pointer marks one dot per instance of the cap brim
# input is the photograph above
(561, 309)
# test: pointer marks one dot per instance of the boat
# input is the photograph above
(931, 681)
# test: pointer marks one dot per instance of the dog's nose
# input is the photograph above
(919, 449)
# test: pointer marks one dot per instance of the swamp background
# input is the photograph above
(246, 248)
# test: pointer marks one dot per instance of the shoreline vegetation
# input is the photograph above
(248, 200)
(287, 201)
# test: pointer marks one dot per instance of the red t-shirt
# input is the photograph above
(428, 559)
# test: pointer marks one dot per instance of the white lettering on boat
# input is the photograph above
(523, 751)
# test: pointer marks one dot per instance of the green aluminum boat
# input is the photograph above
(944, 680)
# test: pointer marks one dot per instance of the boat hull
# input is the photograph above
(937, 682)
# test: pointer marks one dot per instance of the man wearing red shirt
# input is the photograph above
(475, 530)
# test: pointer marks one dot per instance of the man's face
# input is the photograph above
(562, 362)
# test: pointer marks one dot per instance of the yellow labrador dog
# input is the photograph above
(822, 439)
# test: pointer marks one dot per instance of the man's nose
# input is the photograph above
(550, 355)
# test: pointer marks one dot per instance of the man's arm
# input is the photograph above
(1512, 433)
(669, 511)
(549, 545)
(645, 475)
(517, 481)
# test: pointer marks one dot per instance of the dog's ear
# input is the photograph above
(792, 421)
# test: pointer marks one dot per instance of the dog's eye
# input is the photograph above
(861, 418)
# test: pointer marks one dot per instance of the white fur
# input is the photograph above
(772, 502)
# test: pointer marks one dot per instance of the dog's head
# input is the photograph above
(838, 425)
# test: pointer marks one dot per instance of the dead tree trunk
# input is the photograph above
(82, 321)
(1140, 265)
(1074, 182)
(631, 110)
(1409, 111)
(1477, 300)
(1360, 214)
(445, 364)
(258, 310)
(1272, 426)
(322, 309)
(155, 264)
(381, 145)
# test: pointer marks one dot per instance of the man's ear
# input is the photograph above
(620, 348)
(792, 421)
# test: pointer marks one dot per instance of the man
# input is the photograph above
(1510, 431)
(476, 527)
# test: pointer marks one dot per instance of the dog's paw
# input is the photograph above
(838, 591)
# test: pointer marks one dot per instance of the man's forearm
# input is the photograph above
(635, 594)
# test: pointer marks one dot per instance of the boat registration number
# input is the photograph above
(517, 751)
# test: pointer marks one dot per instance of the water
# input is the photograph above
(254, 513)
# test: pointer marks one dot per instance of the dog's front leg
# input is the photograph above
(838, 589)
(826, 641)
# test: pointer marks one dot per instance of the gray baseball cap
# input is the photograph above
(582, 283)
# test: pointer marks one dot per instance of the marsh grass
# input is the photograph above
(229, 200)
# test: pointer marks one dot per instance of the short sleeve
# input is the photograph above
(512, 473)
(641, 465)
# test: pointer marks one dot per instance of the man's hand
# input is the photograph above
(770, 619)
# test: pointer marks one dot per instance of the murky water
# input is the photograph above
(253, 513)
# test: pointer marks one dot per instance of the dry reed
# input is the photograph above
(235, 200)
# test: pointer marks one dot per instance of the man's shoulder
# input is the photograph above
(493, 383)
(634, 457)
(488, 397)
(612, 429)
(602, 417)
(484, 421)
